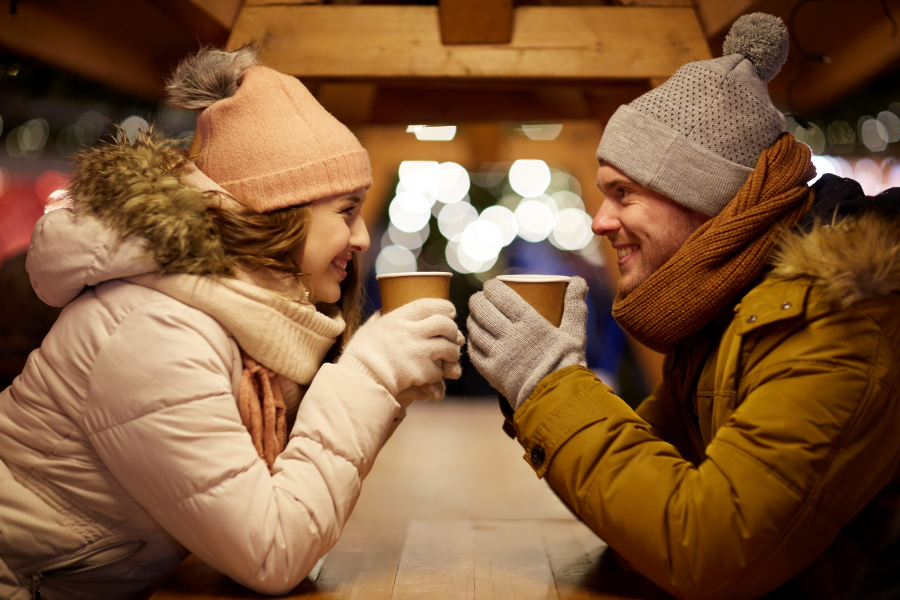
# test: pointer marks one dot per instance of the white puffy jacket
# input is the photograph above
(122, 449)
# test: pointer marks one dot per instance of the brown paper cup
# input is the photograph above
(398, 289)
(545, 293)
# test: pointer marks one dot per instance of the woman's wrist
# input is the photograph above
(350, 362)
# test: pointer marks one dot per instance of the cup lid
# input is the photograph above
(529, 278)
(417, 274)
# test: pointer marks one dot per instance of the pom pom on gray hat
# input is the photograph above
(697, 137)
(762, 39)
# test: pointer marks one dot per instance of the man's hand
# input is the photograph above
(514, 347)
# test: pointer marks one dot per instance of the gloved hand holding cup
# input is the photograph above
(524, 327)
(413, 343)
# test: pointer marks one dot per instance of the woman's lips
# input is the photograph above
(340, 264)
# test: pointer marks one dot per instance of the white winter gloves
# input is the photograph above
(514, 347)
(409, 351)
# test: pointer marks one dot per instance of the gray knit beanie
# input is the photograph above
(697, 137)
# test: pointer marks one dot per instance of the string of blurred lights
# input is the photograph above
(534, 203)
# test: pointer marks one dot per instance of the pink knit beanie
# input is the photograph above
(264, 137)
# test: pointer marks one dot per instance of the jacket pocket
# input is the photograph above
(87, 560)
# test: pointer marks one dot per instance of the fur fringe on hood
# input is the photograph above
(134, 188)
(208, 76)
(855, 259)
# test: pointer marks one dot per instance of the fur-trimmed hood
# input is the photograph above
(140, 189)
(136, 208)
(850, 247)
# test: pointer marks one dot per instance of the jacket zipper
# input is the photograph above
(38, 575)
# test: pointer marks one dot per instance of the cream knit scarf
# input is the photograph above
(273, 329)
(724, 255)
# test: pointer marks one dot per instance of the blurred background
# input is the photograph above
(481, 118)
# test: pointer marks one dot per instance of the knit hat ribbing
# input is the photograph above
(697, 137)
(264, 137)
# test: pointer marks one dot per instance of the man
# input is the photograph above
(770, 449)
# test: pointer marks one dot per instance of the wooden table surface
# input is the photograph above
(449, 511)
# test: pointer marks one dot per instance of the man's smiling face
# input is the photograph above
(645, 228)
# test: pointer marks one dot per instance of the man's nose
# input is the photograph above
(606, 222)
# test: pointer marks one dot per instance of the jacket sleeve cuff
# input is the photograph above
(555, 411)
(353, 364)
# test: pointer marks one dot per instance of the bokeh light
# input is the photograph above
(813, 137)
(894, 176)
(395, 259)
(48, 182)
(482, 240)
(535, 220)
(461, 262)
(869, 175)
(28, 140)
(566, 199)
(823, 165)
(133, 125)
(874, 134)
(454, 218)
(529, 178)
(841, 137)
(89, 127)
(542, 131)
(453, 183)
(426, 133)
(532, 201)
(411, 240)
(504, 219)
(891, 124)
(420, 176)
(572, 230)
(846, 170)
(409, 211)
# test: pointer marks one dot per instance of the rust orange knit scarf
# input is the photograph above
(724, 255)
(262, 409)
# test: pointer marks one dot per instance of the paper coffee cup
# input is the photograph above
(398, 289)
(545, 293)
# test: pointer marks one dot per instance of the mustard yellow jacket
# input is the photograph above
(771, 443)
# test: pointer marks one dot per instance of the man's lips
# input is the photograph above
(624, 251)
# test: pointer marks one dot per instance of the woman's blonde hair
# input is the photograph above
(265, 240)
(134, 187)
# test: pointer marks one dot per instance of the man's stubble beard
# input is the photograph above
(653, 256)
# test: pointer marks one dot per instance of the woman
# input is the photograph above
(162, 414)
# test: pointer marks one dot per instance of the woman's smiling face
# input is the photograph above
(336, 231)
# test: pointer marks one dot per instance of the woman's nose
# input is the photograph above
(359, 237)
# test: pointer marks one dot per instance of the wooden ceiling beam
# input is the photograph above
(654, 2)
(56, 39)
(476, 21)
(853, 63)
(209, 20)
(718, 15)
(550, 43)
(223, 12)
